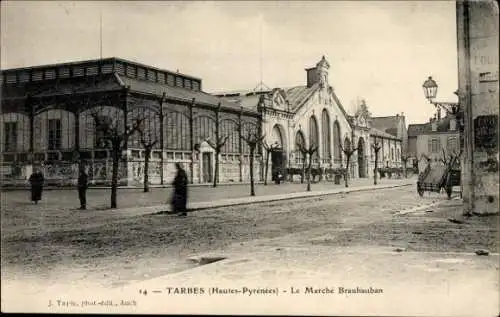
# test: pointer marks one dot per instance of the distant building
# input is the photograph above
(432, 140)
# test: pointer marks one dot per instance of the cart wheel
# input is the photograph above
(420, 191)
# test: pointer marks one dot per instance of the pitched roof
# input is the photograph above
(177, 93)
(298, 95)
(382, 134)
(388, 124)
(426, 128)
(416, 129)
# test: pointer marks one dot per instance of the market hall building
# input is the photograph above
(47, 121)
(313, 114)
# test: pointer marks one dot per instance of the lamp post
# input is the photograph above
(465, 134)
(430, 91)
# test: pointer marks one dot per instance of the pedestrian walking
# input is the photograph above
(82, 188)
(179, 198)
(36, 180)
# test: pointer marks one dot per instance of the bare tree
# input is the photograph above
(148, 141)
(116, 138)
(217, 145)
(269, 149)
(348, 152)
(308, 151)
(376, 148)
(253, 140)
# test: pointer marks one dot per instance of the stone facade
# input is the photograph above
(478, 40)
(315, 114)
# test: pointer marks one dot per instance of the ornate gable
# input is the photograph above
(279, 99)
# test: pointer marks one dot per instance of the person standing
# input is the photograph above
(82, 188)
(36, 180)
(179, 199)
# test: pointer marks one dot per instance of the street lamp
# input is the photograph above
(430, 91)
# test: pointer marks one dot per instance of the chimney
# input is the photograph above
(453, 123)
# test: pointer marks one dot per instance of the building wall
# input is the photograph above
(478, 41)
(60, 168)
(424, 149)
(313, 107)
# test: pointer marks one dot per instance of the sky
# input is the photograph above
(378, 51)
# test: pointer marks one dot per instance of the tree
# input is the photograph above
(217, 145)
(148, 142)
(348, 152)
(269, 149)
(252, 139)
(112, 135)
(376, 148)
(308, 151)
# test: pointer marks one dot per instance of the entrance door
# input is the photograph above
(277, 163)
(207, 167)
(361, 158)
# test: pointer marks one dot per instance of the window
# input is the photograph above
(178, 81)
(10, 132)
(101, 142)
(392, 154)
(433, 145)
(326, 137)
(451, 145)
(54, 134)
(336, 142)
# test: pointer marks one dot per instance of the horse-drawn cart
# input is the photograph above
(439, 177)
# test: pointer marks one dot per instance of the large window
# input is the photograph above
(326, 137)
(54, 134)
(337, 156)
(101, 141)
(314, 135)
(10, 134)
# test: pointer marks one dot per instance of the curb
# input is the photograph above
(302, 195)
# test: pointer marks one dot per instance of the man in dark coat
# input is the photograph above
(36, 181)
(179, 199)
(82, 188)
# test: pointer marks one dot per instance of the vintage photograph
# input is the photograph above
(250, 157)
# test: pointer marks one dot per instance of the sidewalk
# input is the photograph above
(138, 211)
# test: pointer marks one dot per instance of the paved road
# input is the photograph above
(124, 252)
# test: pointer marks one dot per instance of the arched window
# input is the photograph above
(299, 139)
(337, 156)
(314, 134)
(326, 137)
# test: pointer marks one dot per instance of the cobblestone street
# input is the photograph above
(120, 251)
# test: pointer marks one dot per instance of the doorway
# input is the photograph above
(277, 165)
(207, 167)
(361, 158)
